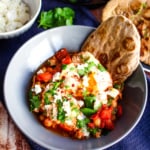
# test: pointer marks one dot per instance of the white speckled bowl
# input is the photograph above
(35, 7)
(25, 62)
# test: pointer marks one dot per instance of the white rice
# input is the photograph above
(13, 14)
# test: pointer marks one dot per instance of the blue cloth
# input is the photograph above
(138, 139)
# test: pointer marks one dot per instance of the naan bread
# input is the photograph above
(139, 12)
(116, 44)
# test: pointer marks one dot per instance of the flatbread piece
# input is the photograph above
(138, 11)
(116, 44)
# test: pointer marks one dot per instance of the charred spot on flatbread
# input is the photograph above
(116, 44)
(103, 58)
(138, 11)
(128, 44)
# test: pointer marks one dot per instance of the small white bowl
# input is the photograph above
(35, 7)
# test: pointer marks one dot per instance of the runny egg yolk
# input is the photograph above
(92, 84)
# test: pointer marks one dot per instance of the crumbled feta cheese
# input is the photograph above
(54, 111)
(81, 66)
(47, 87)
(85, 81)
(40, 71)
(47, 107)
(58, 95)
(56, 76)
(67, 108)
(69, 122)
(37, 89)
(80, 116)
(97, 104)
(113, 92)
(85, 132)
(102, 97)
(80, 103)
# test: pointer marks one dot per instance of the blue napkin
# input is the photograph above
(139, 138)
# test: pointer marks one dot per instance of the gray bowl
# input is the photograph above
(25, 62)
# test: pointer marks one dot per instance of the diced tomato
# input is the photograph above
(62, 53)
(96, 115)
(45, 77)
(109, 124)
(106, 113)
(119, 111)
(91, 125)
(102, 124)
(65, 127)
(66, 60)
(54, 70)
(50, 70)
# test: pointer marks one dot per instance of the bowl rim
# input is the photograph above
(45, 145)
(25, 26)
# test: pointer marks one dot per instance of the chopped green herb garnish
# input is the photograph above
(91, 64)
(64, 66)
(69, 95)
(85, 93)
(67, 86)
(54, 88)
(81, 72)
(110, 101)
(34, 101)
(88, 111)
(87, 69)
(101, 67)
(89, 101)
(75, 111)
(72, 68)
(93, 131)
(61, 112)
(56, 17)
(46, 99)
(118, 86)
(82, 123)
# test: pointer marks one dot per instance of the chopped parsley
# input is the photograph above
(64, 66)
(61, 112)
(89, 101)
(34, 101)
(82, 123)
(56, 17)
(101, 67)
(46, 99)
(52, 91)
(86, 69)
(88, 111)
